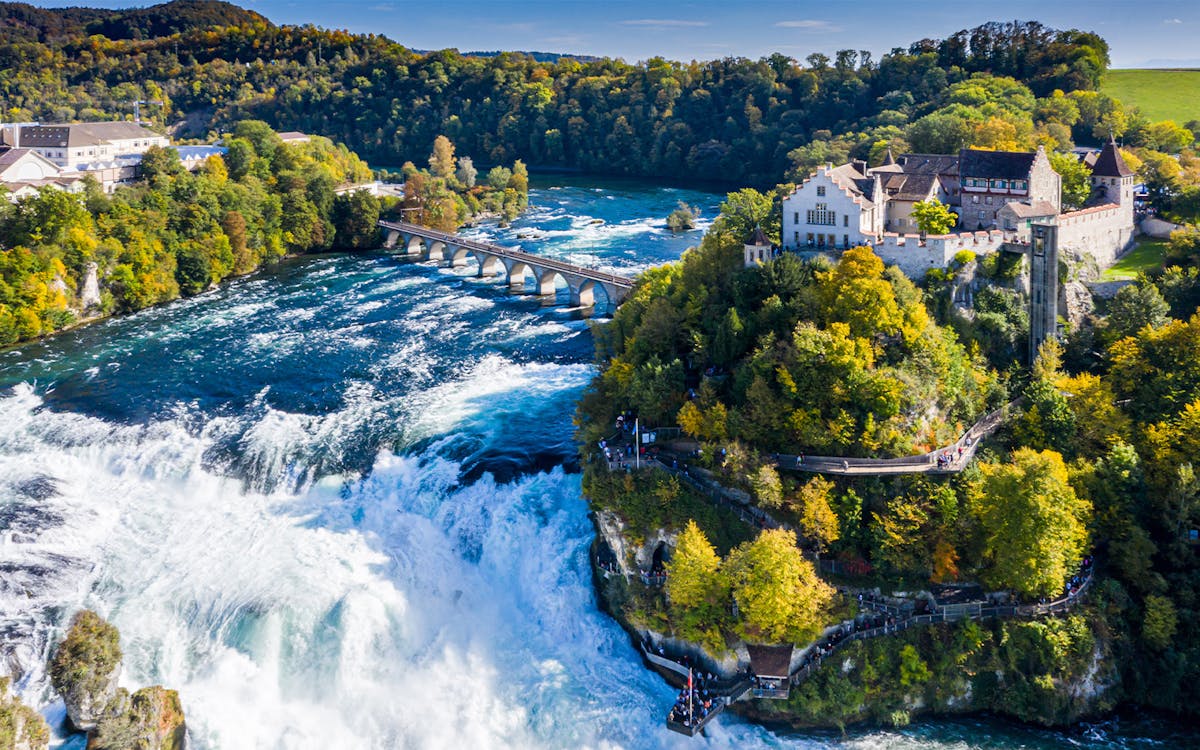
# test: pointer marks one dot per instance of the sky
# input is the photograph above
(1141, 33)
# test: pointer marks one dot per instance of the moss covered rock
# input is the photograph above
(85, 668)
(152, 719)
(21, 728)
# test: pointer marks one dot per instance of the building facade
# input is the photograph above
(82, 145)
(998, 196)
(837, 207)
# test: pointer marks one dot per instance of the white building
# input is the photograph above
(837, 207)
(80, 145)
(23, 172)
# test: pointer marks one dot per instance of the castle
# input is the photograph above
(997, 196)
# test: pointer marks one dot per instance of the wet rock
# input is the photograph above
(150, 719)
(85, 669)
(21, 728)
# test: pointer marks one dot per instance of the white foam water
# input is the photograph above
(394, 610)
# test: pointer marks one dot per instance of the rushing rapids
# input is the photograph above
(333, 505)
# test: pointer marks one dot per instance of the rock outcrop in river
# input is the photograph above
(84, 671)
(21, 728)
(152, 718)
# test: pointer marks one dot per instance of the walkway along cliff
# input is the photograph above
(708, 689)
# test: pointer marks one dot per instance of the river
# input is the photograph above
(333, 505)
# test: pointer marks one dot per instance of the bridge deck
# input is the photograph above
(540, 261)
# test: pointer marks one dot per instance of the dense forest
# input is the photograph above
(740, 120)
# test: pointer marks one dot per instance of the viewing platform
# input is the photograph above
(515, 265)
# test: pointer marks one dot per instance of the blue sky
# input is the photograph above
(1158, 33)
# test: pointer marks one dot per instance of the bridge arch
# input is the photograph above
(516, 272)
(547, 282)
(584, 294)
(457, 255)
(414, 244)
(434, 250)
(490, 265)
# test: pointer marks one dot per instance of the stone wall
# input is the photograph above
(1044, 183)
(1103, 232)
(915, 256)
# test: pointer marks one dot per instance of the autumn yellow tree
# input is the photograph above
(1033, 524)
(818, 523)
(779, 596)
(442, 161)
(697, 589)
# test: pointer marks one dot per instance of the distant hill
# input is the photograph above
(1160, 94)
(20, 21)
(546, 57)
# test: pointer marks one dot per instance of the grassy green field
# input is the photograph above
(1147, 255)
(1160, 94)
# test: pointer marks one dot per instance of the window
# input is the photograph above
(822, 216)
(845, 220)
(821, 191)
(999, 184)
(845, 240)
(795, 217)
(974, 198)
(1019, 185)
(988, 200)
(810, 239)
(982, 215)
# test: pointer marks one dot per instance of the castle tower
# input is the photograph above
(1113, 178)
(758, 248)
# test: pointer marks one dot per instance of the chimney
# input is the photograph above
(17, 135)
(861, 166)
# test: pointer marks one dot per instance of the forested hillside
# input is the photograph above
(733, 119)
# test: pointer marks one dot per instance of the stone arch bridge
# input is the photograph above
(516, 266)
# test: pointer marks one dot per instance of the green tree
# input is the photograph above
(519, 180)
(1076, 179)
(1133, 308)
(499, 177)
(933, 217)
(682, 218)
(1033, 524)
(355, 217)
(1159, 622)
(779, 596)
(1183, 247)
